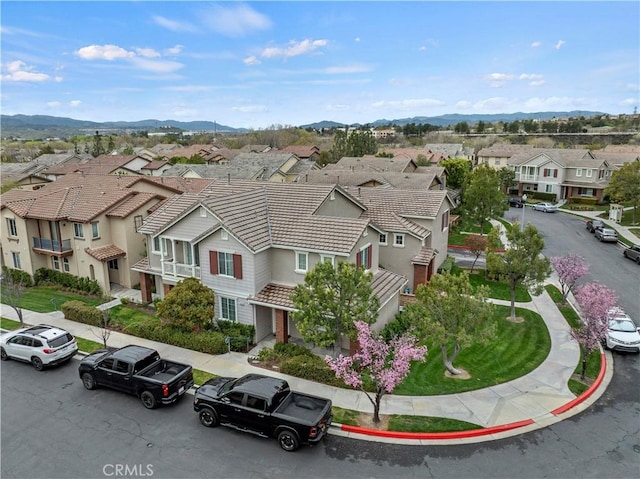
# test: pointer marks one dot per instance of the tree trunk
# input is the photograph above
(474, 263)
(584, 366)
(512, 288)
(19, 311)
(376, 406)
(448, 361)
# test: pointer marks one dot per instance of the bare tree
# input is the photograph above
(105, 327)
(12, 291)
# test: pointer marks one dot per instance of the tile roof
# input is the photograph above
(132, 203)
(373, 163)
(413, 180)
(424, 256)
(503, 150)
(302, 151)
(179, 184)
(106, 252)
(564, 157)
(168, 212)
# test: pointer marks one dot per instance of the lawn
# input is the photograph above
(499, 290)
(124, 316)
(458, 234)
(46, 299)
(515, 350)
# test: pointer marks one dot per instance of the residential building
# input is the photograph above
(497, 156)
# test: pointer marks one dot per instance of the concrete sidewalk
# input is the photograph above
(532, 398)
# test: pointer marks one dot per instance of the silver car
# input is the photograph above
(607, 235)
(40, 345)
(546, 207)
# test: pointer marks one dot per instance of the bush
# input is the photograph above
(581, 200)
(17, 276)
(81, 313)
(541, 195)
(310, 367)
(210, 342)
(291, 350)
(400, 325)
(240, 335)
(446, 265)
(50, 276)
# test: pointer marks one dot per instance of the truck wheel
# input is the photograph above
(88, 381)
(148, 400)
(288, 441)
(208, 417)
(36, 362)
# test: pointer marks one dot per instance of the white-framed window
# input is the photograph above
(579, 172)
(155, 244)
(113, 263)
(328, 259)
(95, 232)
(497, 161)
(137, 222)
(55, 263)
(445, 221)
(332, 195)
(66, 267)
(16, 260)
(548, 189)
(228, 309)
(302, 262)
(225, 263)
(203, 212)
(398, 240)
(13, 228)
(78, 230)
(382, 239)
(589, 173)
(363, 255)
(224, 235)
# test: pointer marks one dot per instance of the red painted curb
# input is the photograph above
(585, 395)
(437, 435)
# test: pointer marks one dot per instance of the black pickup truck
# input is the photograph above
(264, 406)
(137, 370)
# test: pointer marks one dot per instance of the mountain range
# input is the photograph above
(39, 126)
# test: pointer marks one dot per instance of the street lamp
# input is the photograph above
(524, 207)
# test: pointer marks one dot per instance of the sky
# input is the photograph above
(263, 64)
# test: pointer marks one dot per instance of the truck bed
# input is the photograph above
(163, 371)
(303, 407)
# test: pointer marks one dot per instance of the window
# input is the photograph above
(398, 240)
(107, 364)
(235, 397)
(327, 259)
(203, 212)
(156, 245)
(579, 172)
(382, 239)
(78, 230)
(55, 262)
(364, 257)
(113, 263)
(95, 233)
(228, 309)
(332, 195)
(548, 189)
(256, 403)
(225, 264)
(497, 162)
(13, 229)
(16, 260)
(445, 221)
(589, 173)
(137, 222)
(122, 367)
(65, 265)
(224, 235)
(302, 261)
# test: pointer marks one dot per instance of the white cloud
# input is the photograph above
(494, 104)
(103, 52)
(234, 21)
(536, 44)
(498, 80)
(337, 107)
(74, 103)
(632, 87)
(463, 105)
(357, 39)
(555, 102)
(189, 88)
(53, 104)
(559, 44)
(408, 104)
(347, 69)
(174, 50)
(251, 60)
(293, 49)
(19, 71)
(147, 52)
(159, 66)
(629, 102)
(174, 25)
(422, 49)
(250, 109)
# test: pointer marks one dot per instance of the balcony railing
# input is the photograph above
(526, 177)
(48, 244)
(169, 268)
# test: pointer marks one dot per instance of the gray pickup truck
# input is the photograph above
(264, 406)
(137, 370)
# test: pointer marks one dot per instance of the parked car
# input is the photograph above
(622, 333)
(633, 252)
(607, 235)
(546, 207)
(517, 202)
(593, 225)
(264, 406)
(40, 345)
(137, 370)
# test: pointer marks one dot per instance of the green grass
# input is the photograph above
(456, 235)
(124, 316)
(499, 290)
(428, 424)
(88, 346)
(200, 377)
(515, 350)
(46, 299)
(9, 324)
(345, 416)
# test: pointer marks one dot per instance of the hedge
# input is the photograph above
(581, 200)
(51, 276)
(312, 367)
(81, 313)
(210, 342)
(240, 335)
(541, 195)
(17, 276)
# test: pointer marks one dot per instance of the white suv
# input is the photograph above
(40, 345)
(622, 333)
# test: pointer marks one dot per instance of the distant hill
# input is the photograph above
(43, 126)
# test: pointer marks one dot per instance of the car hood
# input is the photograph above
(627, 337)
(95, 356)
(212, 387)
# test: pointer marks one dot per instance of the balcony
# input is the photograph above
(171, 269)
(526, 177)
(49, 246)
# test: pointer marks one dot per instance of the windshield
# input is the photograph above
(622, 325)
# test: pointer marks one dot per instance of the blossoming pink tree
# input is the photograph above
(385, 364)
(595, 301)
(570, 269)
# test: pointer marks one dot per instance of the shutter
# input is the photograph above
(213, 262)
(358, 260)
(369, 255)
(555, 173)
(237, 266)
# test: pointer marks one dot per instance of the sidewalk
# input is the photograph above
(531, 401)
(623, 231)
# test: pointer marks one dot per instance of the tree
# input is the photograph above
(188, 306)
(458, 171)
(98, 147)
(521, 264)
(105, 327)
(482, 198)
(507, 178)
(624, 186)
(461, 128)
(384, 363)
(570, 268)
(595, 301)
(450, 313)
(477, 244)
(46, 150)
(355, 143)
(13, 288)
(330, 300)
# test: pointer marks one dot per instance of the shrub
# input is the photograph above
(541, 195)
(50, 276)
(210, 342)
(81, 313)
(291, 350)
(240, 335)
(17, 276)
(581, 200)
(310, 367)
(446, 265)
(400, 325)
